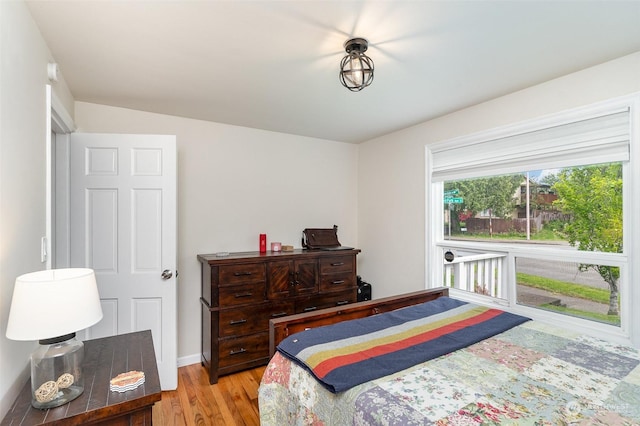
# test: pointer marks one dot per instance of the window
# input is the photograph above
(571, 209)
(538, 217)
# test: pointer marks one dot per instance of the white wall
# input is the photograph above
(235, 183)
(23, 78)
(391, 188)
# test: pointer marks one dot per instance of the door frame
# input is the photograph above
(60, 124)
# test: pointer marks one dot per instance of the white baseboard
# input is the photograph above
(188, 360)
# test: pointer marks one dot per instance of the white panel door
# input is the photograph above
(123, 226)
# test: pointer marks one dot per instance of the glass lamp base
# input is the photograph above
(61, 397)
(56, 372)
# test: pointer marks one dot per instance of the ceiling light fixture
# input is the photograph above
(356, 69)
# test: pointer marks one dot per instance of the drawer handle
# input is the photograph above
(342, 302)
(240, 295)
(310, 308)
(279, 314)
(337, 282)
(241, 274)
(236, 322)
(238, 352)
(337, 264)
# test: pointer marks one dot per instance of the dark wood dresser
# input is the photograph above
(241, 292)
(103, 359)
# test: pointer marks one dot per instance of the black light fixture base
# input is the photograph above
(357, 44)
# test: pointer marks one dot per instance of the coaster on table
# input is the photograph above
(126, 381)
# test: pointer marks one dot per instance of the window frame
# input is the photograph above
(629, 330)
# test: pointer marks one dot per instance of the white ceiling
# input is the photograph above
(273, 65)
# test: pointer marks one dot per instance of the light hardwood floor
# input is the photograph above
(231, 401)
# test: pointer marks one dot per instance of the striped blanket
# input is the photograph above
(349, 353)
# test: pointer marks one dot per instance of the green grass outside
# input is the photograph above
(562, 287)
(551, 231)
(573, 290)
(545, 234)
(609, 319)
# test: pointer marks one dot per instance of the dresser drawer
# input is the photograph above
(242, 294)
(337, 282)
(326, 301)
(251, 319)
(242, 273)
(243, 349)
(336, 264)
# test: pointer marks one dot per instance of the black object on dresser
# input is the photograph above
(241, 292)
(364, 290)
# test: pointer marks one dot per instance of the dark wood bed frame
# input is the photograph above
(280, 328)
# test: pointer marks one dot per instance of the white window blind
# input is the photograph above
(600, 139)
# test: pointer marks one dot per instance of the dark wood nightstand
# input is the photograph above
(103, 359)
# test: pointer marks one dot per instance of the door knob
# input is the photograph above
(166, 274)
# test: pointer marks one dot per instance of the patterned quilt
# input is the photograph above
(532, 374)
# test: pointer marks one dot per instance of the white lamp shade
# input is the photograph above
(52, 303)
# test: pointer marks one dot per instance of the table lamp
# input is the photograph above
(50, 306)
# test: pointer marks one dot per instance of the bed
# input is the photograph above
(530, 373)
